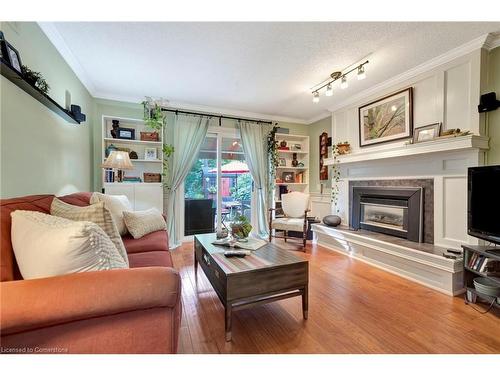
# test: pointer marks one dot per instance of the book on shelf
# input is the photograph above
(109, 175)
(483, 264)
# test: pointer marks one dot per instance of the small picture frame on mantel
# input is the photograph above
(427, 133)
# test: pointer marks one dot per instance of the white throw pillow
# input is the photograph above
(95, 213)
(140, 223)
(116, 204)
(46, 246)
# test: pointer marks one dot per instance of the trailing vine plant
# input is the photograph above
(272, 155)
(155, 119)
(334, 197)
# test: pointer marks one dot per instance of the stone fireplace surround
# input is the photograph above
(427, 186)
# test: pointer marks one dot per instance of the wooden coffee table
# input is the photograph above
(268, 275)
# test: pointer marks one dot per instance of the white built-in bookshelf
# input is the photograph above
(142, 195)
(298, 145)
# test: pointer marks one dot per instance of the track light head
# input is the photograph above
(343, 83)
(361, 73)
(315, 97)
(329, 90)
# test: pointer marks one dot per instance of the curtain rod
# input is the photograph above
(220, 117)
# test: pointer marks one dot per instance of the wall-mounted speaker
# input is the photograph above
(488, 102)
(76, 110)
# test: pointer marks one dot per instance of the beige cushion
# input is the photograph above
(295, 203)
(286, 223)
(116, 204)
(95, 213)
(46, 246)
(140, 223)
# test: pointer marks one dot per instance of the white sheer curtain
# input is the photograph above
(187, 133)
(253, 139)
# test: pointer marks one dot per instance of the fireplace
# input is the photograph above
(396, 211)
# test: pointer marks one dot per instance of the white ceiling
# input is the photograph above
(264, 69)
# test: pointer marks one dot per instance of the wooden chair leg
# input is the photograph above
(304, 232)
(286, 235)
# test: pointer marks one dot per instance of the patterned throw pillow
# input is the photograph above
(95, 213)
(46, 246)
(116, 204)
(140, 223)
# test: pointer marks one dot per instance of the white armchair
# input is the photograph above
(295, 207)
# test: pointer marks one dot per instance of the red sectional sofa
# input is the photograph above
(136, 310)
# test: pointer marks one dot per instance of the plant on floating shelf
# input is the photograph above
(36, 79)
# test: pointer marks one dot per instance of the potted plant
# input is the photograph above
(35, 79)
(154, 117)
(240, 227)
(343, 148)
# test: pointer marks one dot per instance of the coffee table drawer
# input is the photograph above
(267, 281)
(212, 271)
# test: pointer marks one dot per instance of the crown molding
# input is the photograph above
(58, 41)
(206, 109)
(319, 117)
(492, 41)
(475, 44)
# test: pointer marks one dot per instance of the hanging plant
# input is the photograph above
(155, 119)
(272, 155)
(168, 150)
(36, 79)
(334, 197)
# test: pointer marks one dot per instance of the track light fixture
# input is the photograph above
(343, 81)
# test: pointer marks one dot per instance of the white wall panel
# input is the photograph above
(457, 97)
(455, 209)
(426, 101)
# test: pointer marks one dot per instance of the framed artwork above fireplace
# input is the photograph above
(387, 119)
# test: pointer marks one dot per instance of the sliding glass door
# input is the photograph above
(200, 190)
(219, 187)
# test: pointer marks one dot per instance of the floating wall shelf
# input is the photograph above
(17, 79)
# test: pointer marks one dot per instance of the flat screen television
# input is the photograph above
(483, 206)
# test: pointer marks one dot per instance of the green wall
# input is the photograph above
(40, 151)
(494, 116)
(315, 130)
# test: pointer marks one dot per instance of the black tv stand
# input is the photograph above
(470, 272)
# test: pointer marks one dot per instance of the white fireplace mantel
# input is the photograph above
(461, 143)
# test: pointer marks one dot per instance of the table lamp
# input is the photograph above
(118, 160)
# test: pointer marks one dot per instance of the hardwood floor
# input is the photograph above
(353, 308)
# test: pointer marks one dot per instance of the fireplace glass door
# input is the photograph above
(384, 216)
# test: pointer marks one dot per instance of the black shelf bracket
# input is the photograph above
(17, 79)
